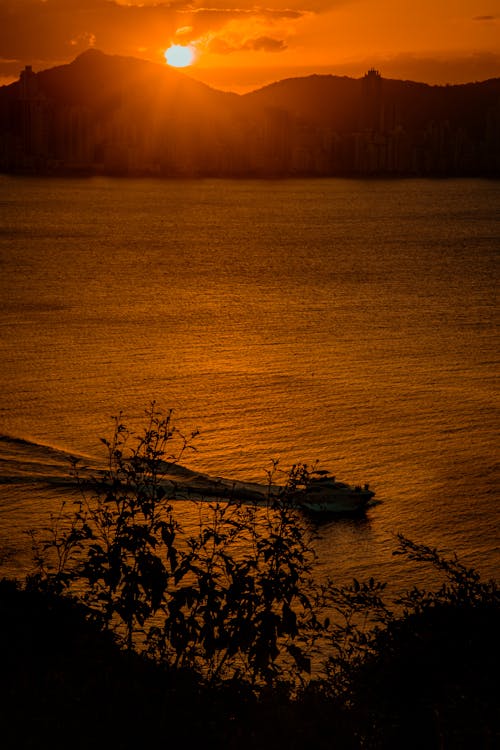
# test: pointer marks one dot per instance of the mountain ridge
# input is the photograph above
(127, 115)
(92, 56)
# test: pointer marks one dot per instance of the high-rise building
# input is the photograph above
(372, 110)
(34, 118)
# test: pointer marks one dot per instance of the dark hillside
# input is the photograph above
(337, 102)
(97, 81)
(324, 100)
(432, 683)
(119, 115)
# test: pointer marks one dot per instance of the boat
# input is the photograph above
(325, 494)
(318, 492)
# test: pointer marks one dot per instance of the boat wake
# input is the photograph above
(24, 462)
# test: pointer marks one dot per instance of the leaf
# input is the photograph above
(302, 661)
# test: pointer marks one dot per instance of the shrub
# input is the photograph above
(235, 603)
(424, 673)
(234, 600)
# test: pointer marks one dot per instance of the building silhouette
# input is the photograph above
(53, 122)
(372, 108)
(34, 111)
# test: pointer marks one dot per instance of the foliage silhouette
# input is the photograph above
(429, 676)
(235, 604)
(234, 600)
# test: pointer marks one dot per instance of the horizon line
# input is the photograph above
(186, 73)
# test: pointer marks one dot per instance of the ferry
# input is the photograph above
(324, 494)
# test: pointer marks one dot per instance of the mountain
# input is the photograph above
(114, 114)
(324, 100)
(102, 83)
(334, 101)
(96, 79)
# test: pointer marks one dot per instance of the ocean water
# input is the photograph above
(350, 322)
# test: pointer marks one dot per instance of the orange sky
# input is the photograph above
(241, 45)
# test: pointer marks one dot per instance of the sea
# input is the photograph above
(352, 325)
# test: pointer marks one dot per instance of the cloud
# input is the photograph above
(86, 39)
(183, 30)
(274, 7)
(54, 29)
(265, 44)
(57, 30)
(219, 46)
(256, 29)
(271, 13)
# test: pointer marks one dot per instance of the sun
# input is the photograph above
(179, 56)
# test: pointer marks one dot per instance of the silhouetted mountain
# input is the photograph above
(103, 83)
(112, 114)
(95, 79)
(321, 100)
(334, 101)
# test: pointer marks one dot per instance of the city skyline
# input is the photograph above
(239, 46)
(107, 114)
